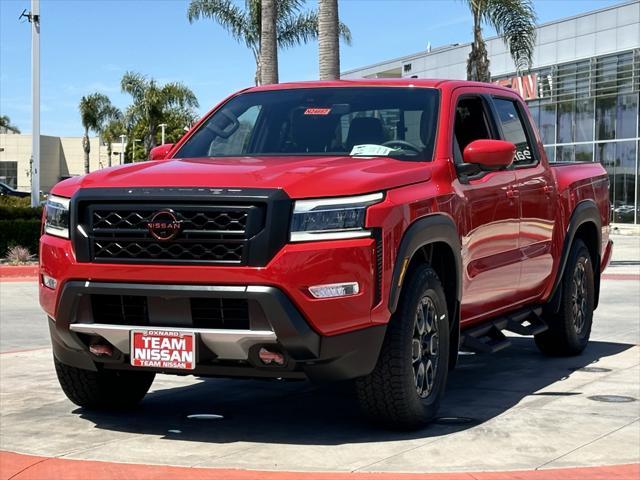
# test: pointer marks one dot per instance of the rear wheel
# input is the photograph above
(406, 386)
(570, 329)
(103, 389)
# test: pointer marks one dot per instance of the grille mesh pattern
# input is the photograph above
(231, 221)
(212, 234)
(169, 251)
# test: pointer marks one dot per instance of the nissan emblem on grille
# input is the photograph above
(164, 225)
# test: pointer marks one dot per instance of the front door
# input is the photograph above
(491, 268)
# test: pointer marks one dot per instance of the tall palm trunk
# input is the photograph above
(478, 64)
(328, 40)
(86, 146)
(109, 152)
(268, 43)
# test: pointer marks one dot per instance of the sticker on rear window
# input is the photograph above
(317, 111)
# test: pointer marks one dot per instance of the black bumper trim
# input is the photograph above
(321, 357)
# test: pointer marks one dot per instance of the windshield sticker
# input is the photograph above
(317, 111)
(370, 151)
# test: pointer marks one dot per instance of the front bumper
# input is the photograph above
(294, 268)
(220, 352)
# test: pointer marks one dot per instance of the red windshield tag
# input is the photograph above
(317, 111)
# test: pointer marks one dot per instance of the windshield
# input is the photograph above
(357, 121)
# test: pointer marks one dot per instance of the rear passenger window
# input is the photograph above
(514, 131)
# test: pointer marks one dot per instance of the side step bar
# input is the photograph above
(488, 337)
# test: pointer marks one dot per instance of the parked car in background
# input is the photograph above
(354, 230)
(6, 190)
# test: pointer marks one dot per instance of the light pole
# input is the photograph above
(34, 20)
(133, 153)
(123, 144)
(162, 126)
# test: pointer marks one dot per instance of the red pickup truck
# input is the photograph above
(364, 230)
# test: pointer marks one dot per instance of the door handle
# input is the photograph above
(548, 189)
(513, 193)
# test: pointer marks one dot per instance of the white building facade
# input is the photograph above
(583, 90)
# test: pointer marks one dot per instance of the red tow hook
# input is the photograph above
(269, 357)
(101, 350)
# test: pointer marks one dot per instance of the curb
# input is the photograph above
(17, 273)
(28, 467)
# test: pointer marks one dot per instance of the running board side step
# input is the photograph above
(488, 337)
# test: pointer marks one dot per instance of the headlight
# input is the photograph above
(56, 219)
(331, 218)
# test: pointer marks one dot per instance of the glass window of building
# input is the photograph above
(9, 173)
(627, 116)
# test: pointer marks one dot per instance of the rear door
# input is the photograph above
(490, 234)
(537, 197)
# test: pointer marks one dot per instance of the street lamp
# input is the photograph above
(133, 153)
(123, 144)
(162, 126)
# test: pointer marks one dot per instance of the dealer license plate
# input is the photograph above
(163, 349)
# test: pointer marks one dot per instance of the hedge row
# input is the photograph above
(25, 233)
(19, 226)
(20, 213)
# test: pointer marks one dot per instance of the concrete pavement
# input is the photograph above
(515, 410)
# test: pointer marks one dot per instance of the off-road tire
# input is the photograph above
(390, 395)
(570, 328)
(103, 389)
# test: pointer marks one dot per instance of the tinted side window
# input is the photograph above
(471, 123)
(514, 131)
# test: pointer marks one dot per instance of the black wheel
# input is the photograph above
(406, 386)
(103, 389)
(570, 328)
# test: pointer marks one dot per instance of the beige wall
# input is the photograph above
(59, 157)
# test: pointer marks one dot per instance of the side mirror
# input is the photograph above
(160, 152)
(490, 154)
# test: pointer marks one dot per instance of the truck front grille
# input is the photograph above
(216, 234)
(210, 226)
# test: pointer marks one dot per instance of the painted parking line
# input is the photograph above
(620, 276)
(25, 350)
(16, 466)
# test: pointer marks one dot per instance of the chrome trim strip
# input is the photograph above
(226, 344)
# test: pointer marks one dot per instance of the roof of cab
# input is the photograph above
(380, 82)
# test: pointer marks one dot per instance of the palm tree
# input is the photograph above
(514, 21)
(152, 102)
(268, 43)
(95, 111)
(111, 132)
(293, 26)
(5, 124)
(328, 39)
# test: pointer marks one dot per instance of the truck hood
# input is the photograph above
(300, 177)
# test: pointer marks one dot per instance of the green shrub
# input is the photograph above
(19, 231)
(20, 213)
(9, 201)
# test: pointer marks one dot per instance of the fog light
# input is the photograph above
(49, 282)
(332, 290)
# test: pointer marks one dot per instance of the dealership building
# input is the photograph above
(582, 90)
(60, 157)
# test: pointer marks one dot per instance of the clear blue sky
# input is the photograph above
(86, 46)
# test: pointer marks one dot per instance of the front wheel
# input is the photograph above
(570, 329)
(406, 386)
(103, 389)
